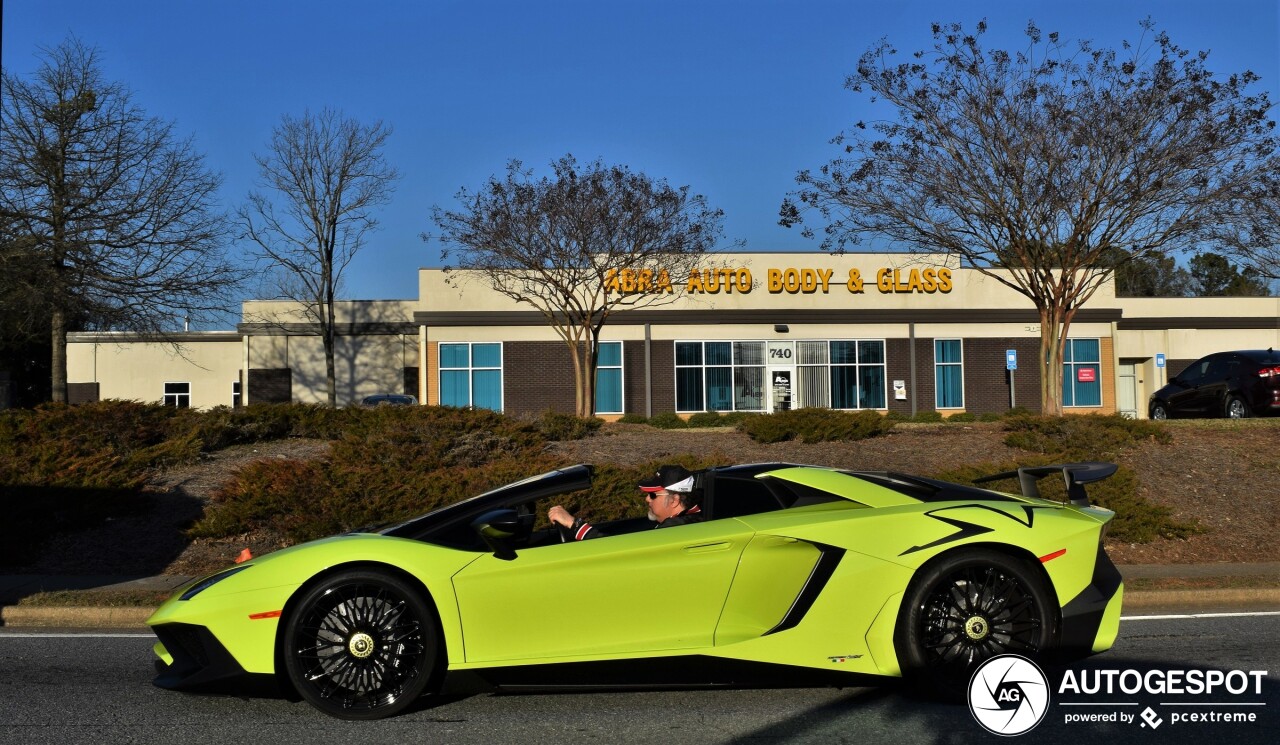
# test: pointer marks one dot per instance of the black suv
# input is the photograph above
(1230, 384)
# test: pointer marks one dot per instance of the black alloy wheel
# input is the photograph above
(967, 607)
(1159, 411)
(1236, 409)
(361, 645)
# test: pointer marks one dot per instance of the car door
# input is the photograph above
(1183, 401)
(651, 591)
(1211, 387)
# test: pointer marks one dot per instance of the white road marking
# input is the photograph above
(1199, 615)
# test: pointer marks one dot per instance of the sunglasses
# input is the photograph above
(651, 495)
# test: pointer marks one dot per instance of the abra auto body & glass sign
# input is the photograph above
(789, 280)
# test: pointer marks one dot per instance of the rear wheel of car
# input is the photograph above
(361, 645)
(1158, 411)
(965, 608)
(1236, 408)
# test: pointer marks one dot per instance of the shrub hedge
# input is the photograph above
(815, 425)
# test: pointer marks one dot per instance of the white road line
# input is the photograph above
(1200, 615)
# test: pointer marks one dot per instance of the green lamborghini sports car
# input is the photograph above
(798, 576)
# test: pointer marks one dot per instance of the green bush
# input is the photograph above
(668, 420)
(927, 417)
(706, 419)
(1082, 437)
(1136, 520)
(559, 427)
(736, 418)
(990, 416)
(634, 419)
(815, 425)
(962, 417)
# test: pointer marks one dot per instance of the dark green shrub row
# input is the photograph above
(1082, 437)
(558, 427)
(815, 425)
(1136, 520)
(1088, 438)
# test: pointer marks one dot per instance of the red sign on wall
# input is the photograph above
(1086, 374)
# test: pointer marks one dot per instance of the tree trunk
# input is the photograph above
(1052, 335)
(59, 381)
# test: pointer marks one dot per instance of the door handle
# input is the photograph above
(705, 548)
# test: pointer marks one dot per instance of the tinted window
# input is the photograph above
(738, 497)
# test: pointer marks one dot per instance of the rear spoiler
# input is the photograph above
(1076, 475)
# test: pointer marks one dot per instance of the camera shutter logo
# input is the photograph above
(1008, 695)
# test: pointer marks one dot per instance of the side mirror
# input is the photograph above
(498, 530)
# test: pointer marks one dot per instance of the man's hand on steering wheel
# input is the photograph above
(563, 521)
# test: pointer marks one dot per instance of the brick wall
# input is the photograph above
(271, 386)
(537, 376)
(986, 380)
(81, 393)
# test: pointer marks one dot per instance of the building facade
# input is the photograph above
(752, 332)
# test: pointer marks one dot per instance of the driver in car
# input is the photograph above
(669, 494)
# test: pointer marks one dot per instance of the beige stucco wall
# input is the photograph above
(138, 370)
(441, 290)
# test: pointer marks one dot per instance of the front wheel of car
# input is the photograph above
(1236, 408)
(967, 607)
(1158, 411)
(361, 644)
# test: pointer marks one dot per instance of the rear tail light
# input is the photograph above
(1269, 372)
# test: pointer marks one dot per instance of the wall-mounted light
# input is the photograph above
(781, 328)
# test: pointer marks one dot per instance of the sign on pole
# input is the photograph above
(1011, 359)
(1159, 359)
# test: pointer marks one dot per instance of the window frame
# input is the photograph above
(1070, 364)
(471, 369)
(622, 378)
(176, 395)
(937, 390)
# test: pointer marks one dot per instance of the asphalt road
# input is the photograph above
(86, 687)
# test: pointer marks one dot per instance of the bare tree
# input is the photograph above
(114, 221)
(578, 246)
(330, 174)
(1034, 166)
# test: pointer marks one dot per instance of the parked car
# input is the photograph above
(1225, 384)
(389, 399)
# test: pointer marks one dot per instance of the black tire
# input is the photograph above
(362, 644)
(1236, 408)
(1159, 411)
(965, 608)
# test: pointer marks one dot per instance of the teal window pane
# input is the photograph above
(949, 385)
(871, 390)
(844, 387)
(1088, 393)
(608, 390)
(1068, 390)
(455, 388)
(946, 350)
(454, 355)
(719, 388)
(844, 352)
(487, 389)
(610, 354)
(689, 353)
(719, 353)
(870, 351)
(1086, 350)
(689, 389)
(486, 355)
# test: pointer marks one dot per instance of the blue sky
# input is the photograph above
(731, 97)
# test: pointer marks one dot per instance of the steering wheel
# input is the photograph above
(563, 531)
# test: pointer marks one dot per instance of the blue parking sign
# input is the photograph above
(1011, 359)
(1160, 359)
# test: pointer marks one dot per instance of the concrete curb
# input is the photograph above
(75, 617)
(1147, 601)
